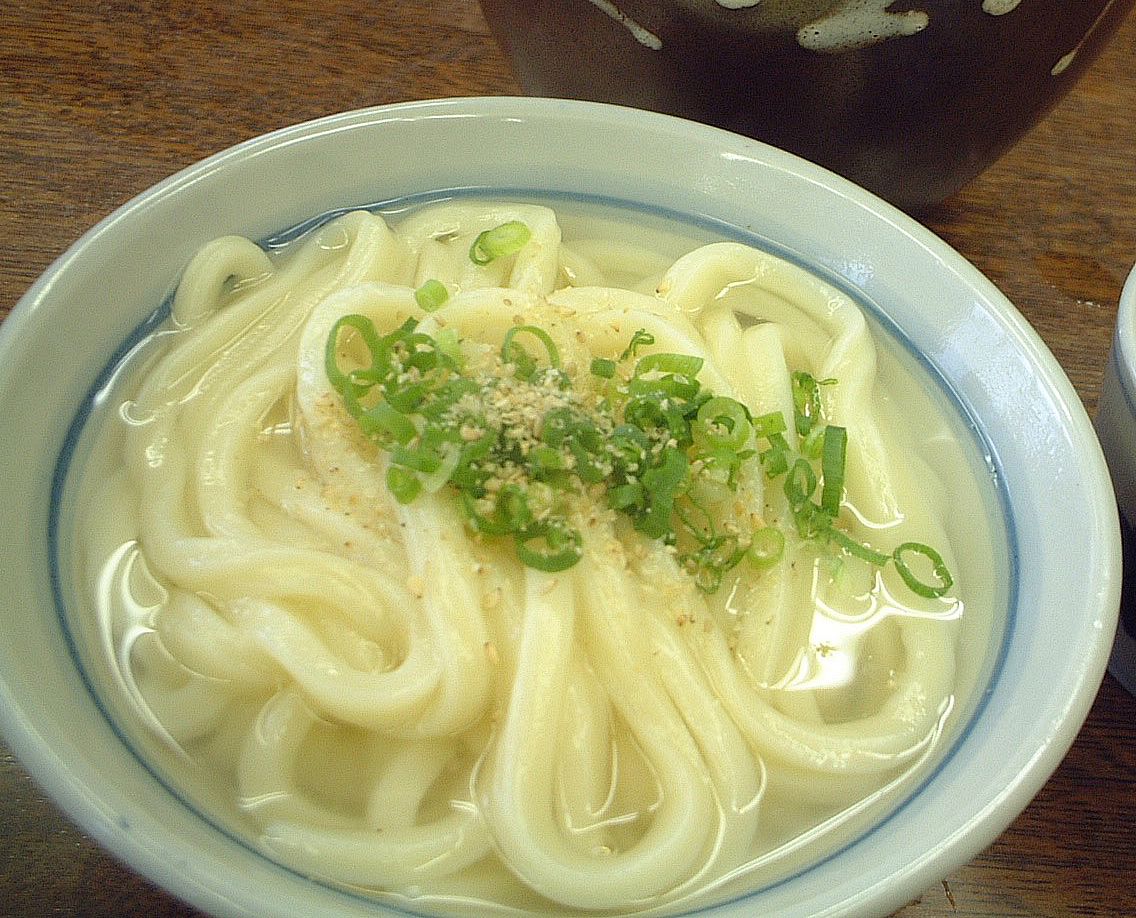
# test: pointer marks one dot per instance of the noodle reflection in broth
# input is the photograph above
(375, 688)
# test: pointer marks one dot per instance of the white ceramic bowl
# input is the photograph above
(1066, 586)
(1116, 427)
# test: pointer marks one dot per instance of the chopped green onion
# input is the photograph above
(938, 568)
(776, 458)
(449, 455)
(449, 346)
(807, 409)
(832, 469)
(857, 549)
(661, 485)
(403, 484)
(656, 411)
(510, 513)
(603, 368)
(626, 496)
(630, 443)
(549, 547)
(469, 473)
(677, 364)
(720, 465)
(514, 353)
(557, 426)
(766, 547)
(499, 242)
(431, 295)
(383, 422)
(408, 398)
(724, 423)
(588, 469)
(812, 443)
(419, 459)
(670, 386)
(800, 484)
(710, 562)
(641, 338)
(666, 452)
(767, 425)
(341, 381)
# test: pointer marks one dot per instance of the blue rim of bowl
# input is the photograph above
(981, 828)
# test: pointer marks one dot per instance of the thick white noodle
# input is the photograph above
(609, 734)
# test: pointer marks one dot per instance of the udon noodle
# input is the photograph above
(390, 700)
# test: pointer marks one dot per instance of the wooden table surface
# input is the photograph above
(100, 100)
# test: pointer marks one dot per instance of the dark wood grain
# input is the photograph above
(99, 100)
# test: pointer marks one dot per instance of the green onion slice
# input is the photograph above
(677, 364)
(512, 352)
(938, 568)
(345, 382)
(800, 483)
(431, 295)
(766, 547)
(661, 485)
(857, 549)
(603, 368)
(641, 338)
(384, 423)
(549, 546)
(403, 484)
(629, 497)
(711, 562)
(807, 408)
(832, 469)
(776, 458)
(510, 513)
(723, 423)
(506, 239)
(766, 425)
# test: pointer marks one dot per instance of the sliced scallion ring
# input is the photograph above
(938, 569)
(431, 295)
(678, 364)
(766, 547)
(550, 546)
(513, 352)
(506, 239)
(724, 423)
(403, 484)
(603, 368)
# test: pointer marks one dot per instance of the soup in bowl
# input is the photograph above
(607, 544)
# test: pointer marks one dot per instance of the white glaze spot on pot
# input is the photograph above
(859, 23)
(646, 38)
(999, 7)
(1063, 63)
